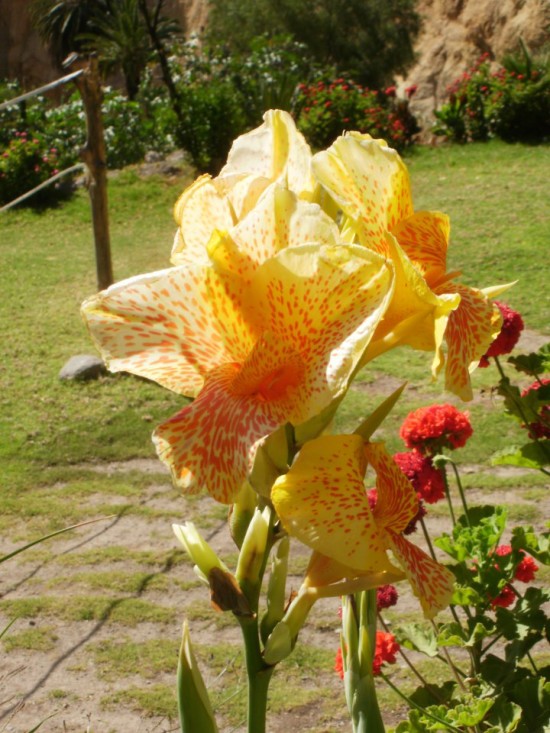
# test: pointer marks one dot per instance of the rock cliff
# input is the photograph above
(456, 32)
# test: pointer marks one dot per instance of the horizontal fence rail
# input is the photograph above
(93, 154)
(41, 90)
(44, 184)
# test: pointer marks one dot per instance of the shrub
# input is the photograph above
(26, 163)
(268, 77)
(328, 108)
(213, 116)
(487, 102)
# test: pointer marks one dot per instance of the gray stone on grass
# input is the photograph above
(82, 366)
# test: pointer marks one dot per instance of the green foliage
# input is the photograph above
(37, 139)
(370, 41)
(268, 76)
(212, 118)
(502, 103)
(506, 695)
(25, 163)
(531, 408)
(327, 108)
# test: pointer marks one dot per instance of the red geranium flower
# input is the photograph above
(386, 597)
(539, 428)
(505, 598)
(432, 428)
(339, 663)
(385, 651)
(426, 479)
(512, 326)
(527, 567)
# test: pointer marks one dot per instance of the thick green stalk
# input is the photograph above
(259, 676)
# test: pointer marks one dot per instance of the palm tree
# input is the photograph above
(60, 23)
(118, 31)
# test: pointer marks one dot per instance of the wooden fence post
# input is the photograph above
(95, 158)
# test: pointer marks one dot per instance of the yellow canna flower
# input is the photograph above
(323, 502)
(275, 152)
(258, 346)
(370, 183)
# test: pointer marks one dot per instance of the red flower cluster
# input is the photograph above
(505, 598)
(527, 567)
(512, 326)
(539, 428)
(525, 572)
(339, 663)
(386, 597)
(430, 429)
(426, 479)
(385, 651)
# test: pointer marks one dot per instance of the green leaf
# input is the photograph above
(377, 417)
(533, 695)
(530, 455)
(534, 363)
(424, 696)
(463, 596)
(194, 706)
(419, 637)
(451, 634)
(525, 538)
(504, 716)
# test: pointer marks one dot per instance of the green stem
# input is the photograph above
(412, 704)
(530, 658)
(461, 492)
(259, 676)
(448, 495)
(428, 687)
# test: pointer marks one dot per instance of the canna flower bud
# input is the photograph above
(253, 548)
(199, 550)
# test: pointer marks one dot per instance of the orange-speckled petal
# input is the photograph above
(171, 326)
(273, 151)
(470, 331)
(322, 501)
(210, 443)
(280, 219)
(369, 182)
(413, 297)
(431, 582)
(397, 502)
(424, 237)
(198, 212)
(325, 302)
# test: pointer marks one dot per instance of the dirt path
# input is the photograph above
(65, 674)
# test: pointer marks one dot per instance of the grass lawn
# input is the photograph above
(53, 434)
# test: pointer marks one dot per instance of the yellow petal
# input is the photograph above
(370, 182)
(412, 298)
(431, 582)
(470, 331)
(325, 303)
(424, 237)
(322, 501)
(273, 151)
(210, 444)
(163, 326)
(198, 211)
(280, 219)
(397, 502)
